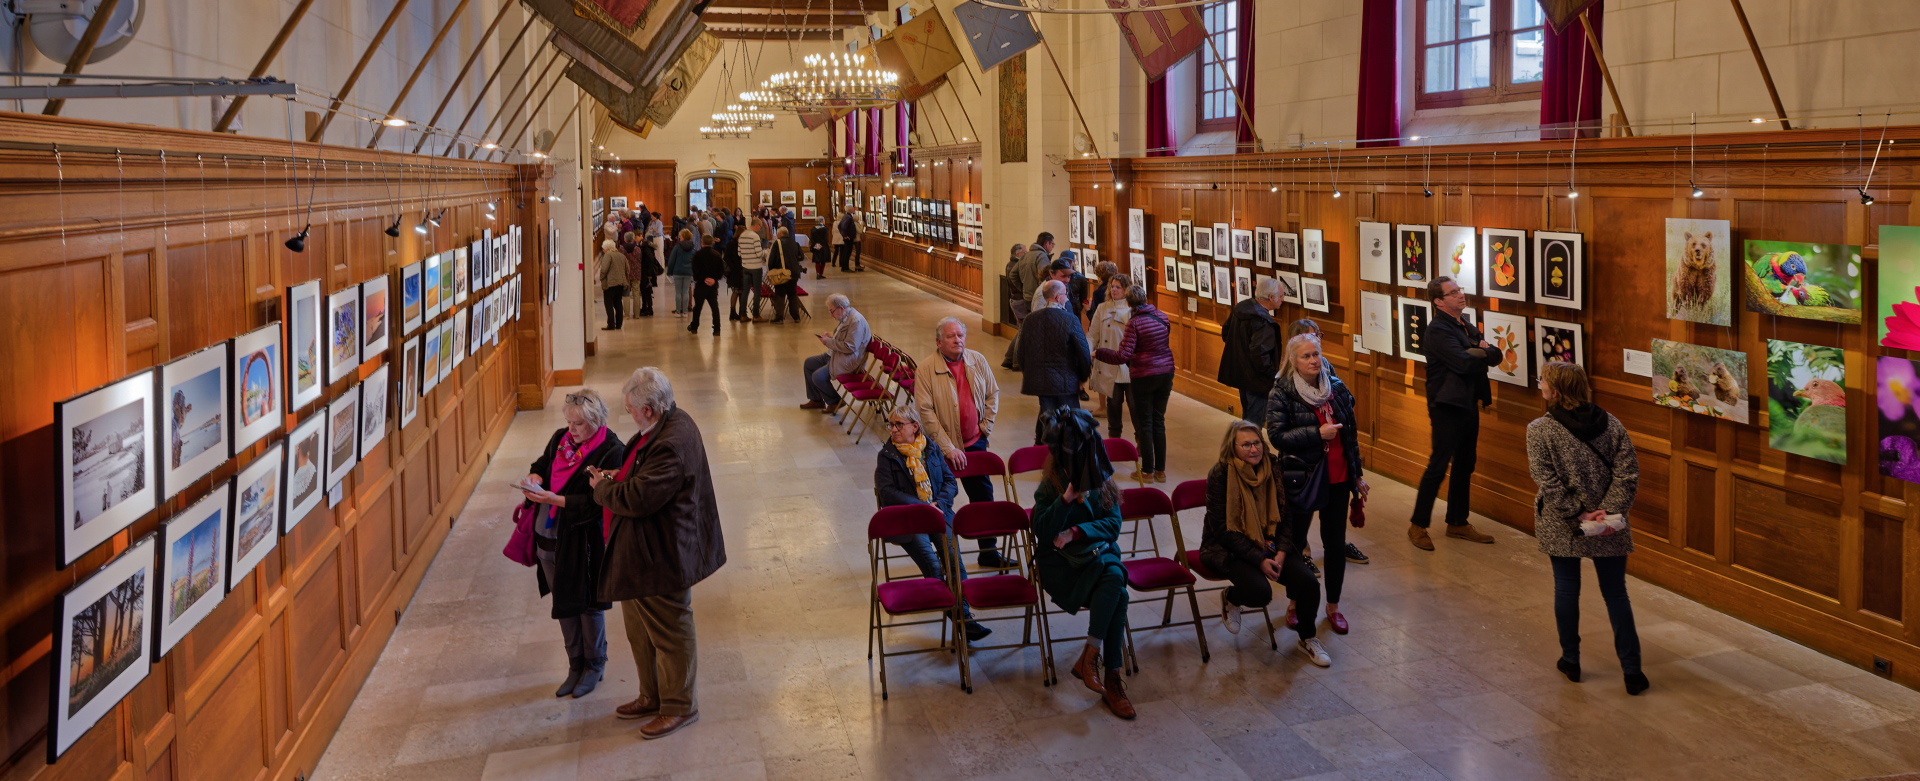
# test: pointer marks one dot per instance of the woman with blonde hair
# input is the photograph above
(1245, 539)
(1310, 419)
(1109, 327)
(567, 541)
(1584, 463)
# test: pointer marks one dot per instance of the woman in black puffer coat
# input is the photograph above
(1310, 421)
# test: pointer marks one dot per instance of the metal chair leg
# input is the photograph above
(1193, 603)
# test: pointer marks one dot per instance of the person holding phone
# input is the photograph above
(1310, 421)
(567, 538)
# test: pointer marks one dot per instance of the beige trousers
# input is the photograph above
(660, 629)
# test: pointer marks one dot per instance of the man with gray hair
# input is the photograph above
(1054, 357)
(845, 348)
(1251, 356)
(958, 398)
(663, 536)
(753, 264)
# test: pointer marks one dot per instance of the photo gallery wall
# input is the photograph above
(1223, 264)
(135, 444)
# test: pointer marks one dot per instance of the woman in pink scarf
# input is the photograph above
(568, 541)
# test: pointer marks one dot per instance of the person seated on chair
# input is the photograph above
(1245, 540)
(845, 346)
(912, 471)
(1076, 522)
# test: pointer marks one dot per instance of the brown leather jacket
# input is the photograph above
(665, 535)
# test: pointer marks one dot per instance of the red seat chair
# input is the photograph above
(1009, 523)
(1120, 451)
(1186, 496)
(1157, 574)
(910, 596)
(1031, 458)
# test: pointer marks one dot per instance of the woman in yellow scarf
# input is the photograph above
(906, 475)
(1243, 540)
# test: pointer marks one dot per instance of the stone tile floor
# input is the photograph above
(1448, 673)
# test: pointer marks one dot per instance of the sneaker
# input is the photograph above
(1229, 614)
(1159, 477)
(1355, 556)
(1315, 652)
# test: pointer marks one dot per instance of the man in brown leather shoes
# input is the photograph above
(1457, 387)
(663, 536)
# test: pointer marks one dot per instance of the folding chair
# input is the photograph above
(1186, 496)
(1120, 451)
(987, 464)
(882, 368)
(878, 400)
(912, 596)
(1031, 458)
(1155, 573)
(1008, 522)
(858, 378)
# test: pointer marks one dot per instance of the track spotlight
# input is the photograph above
(421, 228)
(394, 229)
(1865, 199)
(1336, 193)
(299, 242)
(1426, 191)
(1274, 189)
(553, 197)
(489, 205)
(394, 122)
(1697, 192)
(434, 220)
(1572, 193)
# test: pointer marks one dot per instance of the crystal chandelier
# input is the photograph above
(749, 116)
(827, 82)
(725, 131)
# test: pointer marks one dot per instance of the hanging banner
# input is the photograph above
(994, 33)
(1161, 38)
(1562, 12)
(928, 47)
(678, 81)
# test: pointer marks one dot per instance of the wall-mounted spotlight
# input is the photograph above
(299, 242)
(394, 229)
(1697, 192)
(1865, 199)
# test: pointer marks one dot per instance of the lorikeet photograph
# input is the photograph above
(1807, 400)
(1797, 279)
(1900, 287)
(1702, 380)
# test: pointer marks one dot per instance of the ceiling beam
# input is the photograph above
(266, 61)
(81, 53)
(480, 98)
(438, 38)
(760, 17)
(353, 78)
(773, 34)
(865, 6)
(453, 87)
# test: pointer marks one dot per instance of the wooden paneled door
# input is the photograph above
(722, 193)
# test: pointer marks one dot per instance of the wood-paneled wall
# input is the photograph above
(650, 182)
(796, 174)
(1827, 555)
(111, 263)
(949, 173)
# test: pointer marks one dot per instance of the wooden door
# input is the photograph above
(721, 193)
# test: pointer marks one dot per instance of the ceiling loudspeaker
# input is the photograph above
(543, 139)
(57, 26)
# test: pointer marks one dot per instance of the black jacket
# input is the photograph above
(785, 253)
(734, 268)
(1221, 546)
(1294, 429)
(1054, 358)
(1454, 377)
(893, 481)
(818, 238)
(1252, 353)
(708, 264)
(581, 547)
(666, 523)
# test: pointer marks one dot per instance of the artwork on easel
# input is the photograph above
(102, 647)
(108, 462)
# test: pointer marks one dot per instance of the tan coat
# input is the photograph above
(613, 269)
(937, 397)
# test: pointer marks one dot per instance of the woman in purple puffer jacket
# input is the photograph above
(1149, 361)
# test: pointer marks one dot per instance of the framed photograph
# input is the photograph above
(1221, 241)
(447, 348)
(1137, 269)
(1169, 273)
(257, 390)
(1508, 334)
(1557, 270)
(447, 267)
(1073, 225)
(412, 298)
(1223, 284)
(476, 267)
(1289, 286)
(1313, 251)
(1503, 259)
(460, 345)
(1376, 322)
(1701, 380)
(1554, 340)
(192, 566)
(1314, 294)
(1413, 255)
(1136, 229)
(475, 331)
(809, 212)
(1700, 272)
(373, 411)
(1203, 276)
(1242, 283)
(1202, 243)
(1089, 226)
(343, 334)
(766, 197)
(102, 636)
(1242, 244)
(107, 457)
(1286, 248)
(1800, 279)
(374, 312)
(1263, 247)
(429, 360)
(1812, 421)
(807, 198)
(462, 275)
(1187, 277)
(430, 280)
(617, 202)
(788, 198)
(1459, 256)
(304, 367)
(256, 514)
(1376, 252)
(1185, 237)
(193, 408)
(305, 465)
(343, 435)
(1414, 313)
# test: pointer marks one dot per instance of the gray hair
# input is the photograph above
(649, 388)
(839, 300)
(609, 244)
(907, 411)
(1051, 288)
(940, 328)
(591, 406)
(1293, 348)
(1268, 288)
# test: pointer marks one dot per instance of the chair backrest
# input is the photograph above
(906, 519)
(1121, 449)
(1027, 459)
(1189, 494)
(1139, 506)
(990, 519)
(983, 463)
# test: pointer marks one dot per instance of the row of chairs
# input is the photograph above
(884, 379)
(1016, 585)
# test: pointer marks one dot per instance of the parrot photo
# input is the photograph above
(1780, 270)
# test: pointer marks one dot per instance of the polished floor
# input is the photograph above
(1448, 673)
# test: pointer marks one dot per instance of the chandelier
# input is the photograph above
(827, 82)
(749, 116)
(725, 131)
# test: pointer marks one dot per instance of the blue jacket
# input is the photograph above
(680, 259)
(893, 481)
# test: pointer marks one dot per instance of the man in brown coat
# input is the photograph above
(663, 536)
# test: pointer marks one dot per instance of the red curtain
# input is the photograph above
(1243, 74)
(903, 125)
(852, 133)
(875, 145)
(1570, 88)
(1160, 141)
(1378, 115)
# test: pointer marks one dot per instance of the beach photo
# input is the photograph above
(193, 425)
(303, 344)
(303, 471)
(256, 514)
(373, 316)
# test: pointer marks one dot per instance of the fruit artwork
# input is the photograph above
(1458, 251)
(1507, 341)
(1505, 272)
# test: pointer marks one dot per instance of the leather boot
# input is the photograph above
(574, 671)
(1088, 669)
(589, 679)
(1419, 536)
(1116, 696)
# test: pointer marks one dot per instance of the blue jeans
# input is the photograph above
(820, 380)
(921, 548)
(1050, 403)
(1612, 573)
(681, 288)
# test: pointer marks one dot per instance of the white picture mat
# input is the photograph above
(169, 631)
(1187, 276)
(1202, 242)
(1579, 340)
(348, 404)
(373, 410)
(1242, 283)
(1313, 247)
(264, 470)
(1073, 224)
(463, 279)
(1137, 268)
(371, 343)
(1222, 249)
(1263, 247)
(1376, 252)
(429, 287)
(134, 388)
(1136, 229)
(1223, 284)
(210, 359)
(1089, 226)
(1425, 272)
(1376, 321)
(1183, 238)
(1464, 240)
(1289, 286)
(429, 359)
(408, 394)
(294, 509)
(1170, 273)
(1203, 278)
(1520, 270)
(1314, 289)
(1286, 248)
(305, 334)
(342, 367)
(63, 730)
(1496, 328)
(265, 339)
(1576, 263)
(1242, 243)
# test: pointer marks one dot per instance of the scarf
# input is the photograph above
(566, 461)
(914, 452)
(1252, 507)
(1314, 395)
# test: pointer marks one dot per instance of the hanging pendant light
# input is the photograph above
(827, 82)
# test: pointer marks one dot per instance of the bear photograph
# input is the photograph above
(1699, 278)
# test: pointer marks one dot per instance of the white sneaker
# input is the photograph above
(1316, 652)
(1229, 614)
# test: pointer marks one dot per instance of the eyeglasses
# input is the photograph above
(899, 423)
(576, 398)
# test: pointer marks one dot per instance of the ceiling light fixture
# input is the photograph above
(832, 81)
(492, 145)
(394, 122)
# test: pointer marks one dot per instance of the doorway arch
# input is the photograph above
(709, 187)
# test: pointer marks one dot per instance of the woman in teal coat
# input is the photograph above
(1076, 523)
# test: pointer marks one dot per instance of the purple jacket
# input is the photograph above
(1144, 349)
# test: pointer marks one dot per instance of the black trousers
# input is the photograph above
(613, 297)
(1612, 574)
(1251, 589)
(1116, 404)
(1333, 536)
(1456, 437)
(843, 256)
(1149, 396)
(705, 295)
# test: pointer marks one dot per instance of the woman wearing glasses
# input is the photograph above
(569, 543)
(911, 472)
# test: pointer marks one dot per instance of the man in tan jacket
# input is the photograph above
(958, 399)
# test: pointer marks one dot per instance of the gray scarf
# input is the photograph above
(1313, 395)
